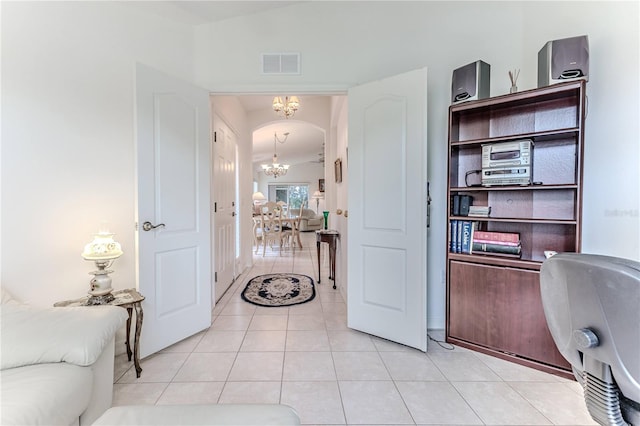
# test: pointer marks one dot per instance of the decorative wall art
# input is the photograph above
(338, 170)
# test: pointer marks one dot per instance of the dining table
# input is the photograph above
(287, 222)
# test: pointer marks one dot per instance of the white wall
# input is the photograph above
(343, 44)
(68, 136)
(231, 112)
(612, 149)
(67, 105)
(339, 200)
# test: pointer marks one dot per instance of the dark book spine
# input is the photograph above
(502, 243)
(452, 236)
(467, 228)
(465, 203)
(496, 248)
(493, 253)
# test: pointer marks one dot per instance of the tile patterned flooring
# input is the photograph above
(306, 357)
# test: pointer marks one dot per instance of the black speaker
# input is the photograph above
(563, 60)
(470, 82)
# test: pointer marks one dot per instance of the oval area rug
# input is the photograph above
(279, 290)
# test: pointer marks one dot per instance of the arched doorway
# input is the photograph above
(298, 144)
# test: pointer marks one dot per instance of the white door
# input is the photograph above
(173, 173)
(224, 212)
(387, 247)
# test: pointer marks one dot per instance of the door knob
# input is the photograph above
(147, 226)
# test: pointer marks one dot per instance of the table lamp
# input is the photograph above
(258, 197)
(103, 250)
(317, 196)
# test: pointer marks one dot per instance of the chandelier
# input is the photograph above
(286, 108)
(276, 169)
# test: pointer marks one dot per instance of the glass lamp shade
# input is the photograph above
(277, 103)
(258, 196)
(294, 103)
(103, 247)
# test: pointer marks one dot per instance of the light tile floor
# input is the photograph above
(306, 357)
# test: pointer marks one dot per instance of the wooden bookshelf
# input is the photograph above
(493, 302)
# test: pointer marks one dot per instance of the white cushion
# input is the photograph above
(6, 297)
(310, 214)
(215, 414)
(44, 394)
(36, 335)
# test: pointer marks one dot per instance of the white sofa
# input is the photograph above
(56, 363)
(310, 221)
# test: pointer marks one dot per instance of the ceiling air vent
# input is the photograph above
(281, 63)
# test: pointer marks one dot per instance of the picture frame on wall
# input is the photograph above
(338, 170)
(321, 185)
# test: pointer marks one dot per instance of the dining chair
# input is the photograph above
(295, 228)
(286, 224)
(271, 226)
(284, 207)
(291, 228)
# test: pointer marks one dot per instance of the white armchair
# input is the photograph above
(310, 221)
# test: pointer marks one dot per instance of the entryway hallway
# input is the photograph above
(306, 357)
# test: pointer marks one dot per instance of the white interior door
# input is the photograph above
(173, 173)
(224, 214)
(387, 247)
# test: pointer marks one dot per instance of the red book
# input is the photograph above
(502, 243)
(496, 237)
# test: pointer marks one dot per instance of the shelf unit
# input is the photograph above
(493, 302)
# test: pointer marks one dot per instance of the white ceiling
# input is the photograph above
(202, 12)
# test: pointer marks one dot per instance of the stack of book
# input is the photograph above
(496, 243)
(460, 204)
(479, 211)
(460, 235)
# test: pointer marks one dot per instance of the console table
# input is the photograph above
(128, 299)
(330, 237)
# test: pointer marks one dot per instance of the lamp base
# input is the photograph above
(104, 299)
(100, 285)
